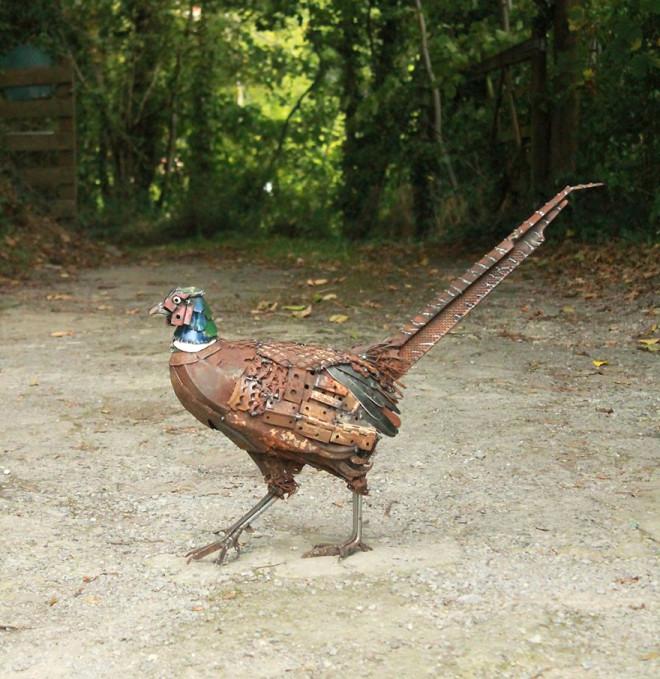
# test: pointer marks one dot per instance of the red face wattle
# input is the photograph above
(177, 307)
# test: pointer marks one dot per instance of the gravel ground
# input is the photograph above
(514, 520)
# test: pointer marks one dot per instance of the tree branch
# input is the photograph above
(435, 92)
(285, 126)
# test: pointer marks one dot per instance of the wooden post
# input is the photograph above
(57, 180)
(67, 191)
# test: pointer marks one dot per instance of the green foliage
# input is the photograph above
(318, 119)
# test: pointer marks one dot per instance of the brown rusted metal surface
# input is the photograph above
(288, 414)
(290, 405)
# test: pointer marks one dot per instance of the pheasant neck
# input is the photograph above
(199, 333)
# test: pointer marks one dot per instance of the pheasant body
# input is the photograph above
(290, 405)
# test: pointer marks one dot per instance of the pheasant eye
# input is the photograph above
(176, 299)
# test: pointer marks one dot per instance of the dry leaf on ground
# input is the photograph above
(264, 305)
(649, 344)
(302, 313)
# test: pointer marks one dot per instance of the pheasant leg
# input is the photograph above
(232, 534)
(350, 546)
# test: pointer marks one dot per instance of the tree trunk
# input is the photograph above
(200, 142)
(566, 111)
(354, 186)
(540, 120)
(370, 139)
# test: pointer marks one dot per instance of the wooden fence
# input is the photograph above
(41, 134)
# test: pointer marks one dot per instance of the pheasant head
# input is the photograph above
(189, 313)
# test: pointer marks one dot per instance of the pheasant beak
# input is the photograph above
(158, 309)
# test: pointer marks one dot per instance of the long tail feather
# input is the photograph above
(435, 320)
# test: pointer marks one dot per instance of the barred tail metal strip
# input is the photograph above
(467, 291)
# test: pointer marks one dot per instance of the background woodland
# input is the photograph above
(382, 119)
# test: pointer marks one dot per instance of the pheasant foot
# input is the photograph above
(350, 546)
(224, 545)
(232, 534)
(342, 550)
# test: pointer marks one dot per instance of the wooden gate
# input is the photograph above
(41, 134)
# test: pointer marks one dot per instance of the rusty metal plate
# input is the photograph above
(319, 411)
(279, 419)
(295, 385)
(327, 399)
(283, 408)
(327, 383)
(318, 431)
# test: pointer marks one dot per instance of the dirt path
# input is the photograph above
(514, 520)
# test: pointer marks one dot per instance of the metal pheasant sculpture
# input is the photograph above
(289, 405)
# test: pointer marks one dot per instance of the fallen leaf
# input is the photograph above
(34, 382)
(338, 318)
(329, 296)
(598, 363)
(302, 313)
(647, 345)
(317, 281)
(103, 307)
(264, 305)
(53, 600)
(62, 333)
(132, 312)
(294, 307)
(568, 309)
(649, 341)
(627, 580)
(58, 296)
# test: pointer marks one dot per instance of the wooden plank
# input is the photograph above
(39, 108)
(68, 157)
(63, 208)
(523, 51)
(41, 75)
(39, 141)
(49, 176)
